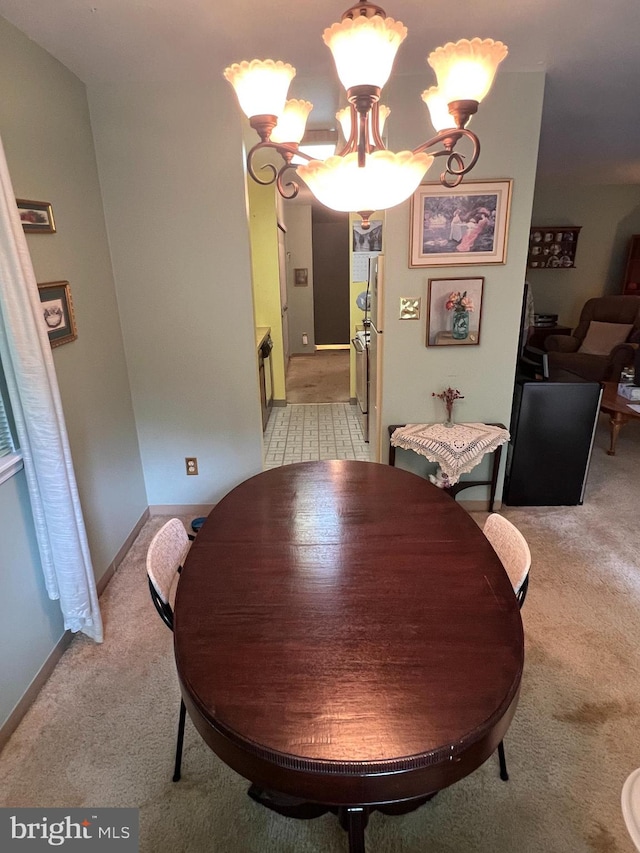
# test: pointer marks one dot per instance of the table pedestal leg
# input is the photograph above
(616, 422)
(354, 819)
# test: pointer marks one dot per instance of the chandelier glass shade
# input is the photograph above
(364, 176)
(385, 180)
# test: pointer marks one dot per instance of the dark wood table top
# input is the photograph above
(345, 633)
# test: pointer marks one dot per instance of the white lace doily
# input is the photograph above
(457, 449)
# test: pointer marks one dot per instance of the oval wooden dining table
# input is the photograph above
(346, 639)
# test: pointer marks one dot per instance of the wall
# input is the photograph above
(171, 166)
(44, 123)
(484, 374)
(609, 215)
(297, 218)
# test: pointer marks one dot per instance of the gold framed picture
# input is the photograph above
(36, 216)
(464, 225)
(57, 312)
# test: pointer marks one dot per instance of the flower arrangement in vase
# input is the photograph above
(461, 305)
(448, 397)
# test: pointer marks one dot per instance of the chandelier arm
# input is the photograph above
(351, 142)
(456, 174)
(287, 189)
(286, 151)
(375, 126)
(456, 165)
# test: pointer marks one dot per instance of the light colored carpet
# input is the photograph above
(319, 378)
(102, 732)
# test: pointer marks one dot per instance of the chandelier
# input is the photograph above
(365, 176)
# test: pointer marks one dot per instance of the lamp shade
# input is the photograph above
(465, 70)
(385, 180)
(261, 85)
(441, 119)
(344, 117)
(292, 122)
(364, 49)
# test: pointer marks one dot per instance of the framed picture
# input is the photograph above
(367, 240)
(465, 225)
(301, 277)
(36, 216)
(57, 312)
(454, 309)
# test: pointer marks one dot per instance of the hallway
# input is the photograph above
(319, 378)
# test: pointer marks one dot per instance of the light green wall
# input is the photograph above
(171, 168)
(30, 623)
(484, 374)
(609, 215)
(44, 124)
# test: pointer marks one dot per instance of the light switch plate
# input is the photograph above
(409, 308)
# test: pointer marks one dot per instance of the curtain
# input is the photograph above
(37, 411)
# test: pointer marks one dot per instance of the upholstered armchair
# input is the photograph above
(600, 344)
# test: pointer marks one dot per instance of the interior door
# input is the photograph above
(284, 307)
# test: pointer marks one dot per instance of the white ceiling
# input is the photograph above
(590, 50)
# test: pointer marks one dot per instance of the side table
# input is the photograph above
(465, 484)
(537, 334)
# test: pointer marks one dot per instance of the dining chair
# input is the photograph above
(631, 806)
(513, 551)
(165, 557)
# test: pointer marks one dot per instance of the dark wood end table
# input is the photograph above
(492, 482)
(617, 408)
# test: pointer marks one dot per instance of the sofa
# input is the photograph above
(602, 344)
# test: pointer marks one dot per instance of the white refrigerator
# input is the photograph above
(375, 302)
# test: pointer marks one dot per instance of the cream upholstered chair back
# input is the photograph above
(513, 551)
(166, 555)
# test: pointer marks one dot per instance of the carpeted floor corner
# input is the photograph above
(102, 732)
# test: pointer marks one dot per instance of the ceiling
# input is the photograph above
(589, 50)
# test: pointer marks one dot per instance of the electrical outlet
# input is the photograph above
(305, 339)
(192, 465)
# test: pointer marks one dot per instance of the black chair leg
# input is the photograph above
(181, 722)
(503, 763)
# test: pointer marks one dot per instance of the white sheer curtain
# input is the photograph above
(35, 402)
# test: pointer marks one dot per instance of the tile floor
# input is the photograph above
(303, 432)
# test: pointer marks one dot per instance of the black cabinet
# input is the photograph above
(552, 429)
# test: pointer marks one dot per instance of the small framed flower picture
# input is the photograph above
(454, 309)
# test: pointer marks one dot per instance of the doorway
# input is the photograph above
(321, 374)
(330, 240)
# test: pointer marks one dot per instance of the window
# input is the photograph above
(10, 458)
(6, 439)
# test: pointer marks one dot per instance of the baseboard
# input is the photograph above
(481, 506)
(353, 401)
(28, 698)
(279, 403)
(122, 552)
(181, 509)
